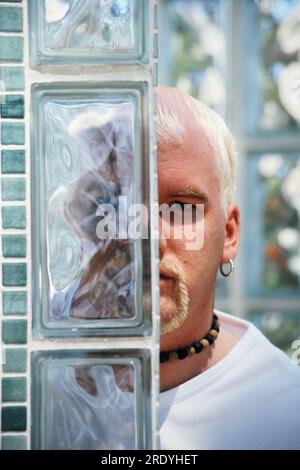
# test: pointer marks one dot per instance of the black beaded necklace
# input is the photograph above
(196, 347)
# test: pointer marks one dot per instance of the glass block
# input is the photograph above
(13, 161)
(14, 331)
(14, 217)
(11, 20)
(14, 246)
(11, 49)
(12, 107)
(85, 400)
(12, 133)
(14, 274)
(14, 303)
(12, 78)
(88, 151)
(14, 443)
(88, 31)
(13, 389)
(272, 225)
(192, 42)
(13, 418)
(271, 67)
(15, 360)
(13, 189)
(281, 327)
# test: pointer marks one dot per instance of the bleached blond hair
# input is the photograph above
(172, 123)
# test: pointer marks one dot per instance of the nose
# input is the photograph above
(162, 237)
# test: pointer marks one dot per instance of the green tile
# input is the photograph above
(12, 133)
(13, 389)
(11, 49)
(14, 331)
(12, 78)
(13, 107)
(14, 217)
(11, 20)
(15, 360)
(13, 161)
(13, 189)
(14, 418)
(14, 303)
(14, 443)
(14, 274)
(14, 246)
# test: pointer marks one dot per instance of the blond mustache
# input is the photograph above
(182, 298)
(172, 269)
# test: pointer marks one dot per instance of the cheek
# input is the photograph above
(201, 264)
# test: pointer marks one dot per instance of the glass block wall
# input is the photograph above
(79, 311)
(242, 58)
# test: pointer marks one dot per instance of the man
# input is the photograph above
(223, 385)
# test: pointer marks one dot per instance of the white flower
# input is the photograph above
(291, 187)
(288, 238)
(212, 39)
(272, 321)
(270, 164)
(288, 33)
(289, 89)
(294, 264)
(184, 84)
(212, 89)
(272, 117)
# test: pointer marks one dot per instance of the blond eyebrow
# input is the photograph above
(190, 193)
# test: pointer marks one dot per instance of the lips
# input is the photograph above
(165, 275)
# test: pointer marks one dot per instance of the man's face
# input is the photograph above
(191, 165)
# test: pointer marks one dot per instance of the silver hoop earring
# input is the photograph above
(230, 270)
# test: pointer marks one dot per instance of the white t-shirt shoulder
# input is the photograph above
(248, 400)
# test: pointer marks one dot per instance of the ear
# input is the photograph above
(232, 234)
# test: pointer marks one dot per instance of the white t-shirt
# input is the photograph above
(248, 400)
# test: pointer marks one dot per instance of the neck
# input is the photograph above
(174, 373)
(196, 326)
(178, 372)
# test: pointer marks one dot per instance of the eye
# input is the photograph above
(184, 205)
(187, 214)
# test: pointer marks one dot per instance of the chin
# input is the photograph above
(171, 321)
(167, 309)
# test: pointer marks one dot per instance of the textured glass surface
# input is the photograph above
(197, 54)
(282, 327)
(88, 31)
(87, 152)
(272, 232)
(272, 68)
(89, 401)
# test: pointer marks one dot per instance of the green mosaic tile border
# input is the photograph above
(13, 224)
